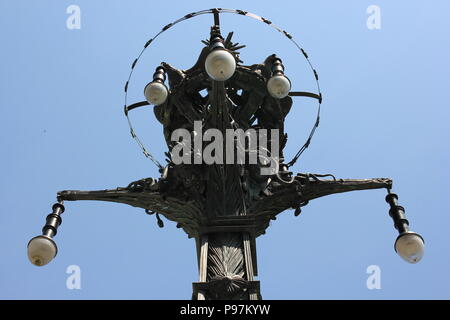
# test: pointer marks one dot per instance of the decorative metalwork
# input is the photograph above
(222, 202)
(216, 11)
(225, 207)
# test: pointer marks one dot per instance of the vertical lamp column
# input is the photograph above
(409, 245)
(42, 249)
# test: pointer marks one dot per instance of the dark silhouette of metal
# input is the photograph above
(225, 207)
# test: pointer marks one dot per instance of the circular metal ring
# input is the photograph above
(239, 12)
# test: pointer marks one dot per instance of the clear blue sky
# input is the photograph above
(385, 114)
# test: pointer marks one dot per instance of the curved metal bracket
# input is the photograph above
(306, 94)
(134, 106)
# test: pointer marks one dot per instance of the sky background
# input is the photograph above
(385, 114)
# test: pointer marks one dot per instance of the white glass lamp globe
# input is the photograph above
(156, 93)
(41, 250)
(220, 65)
(279, 86)
(410, 247)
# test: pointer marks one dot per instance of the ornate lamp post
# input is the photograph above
(224, 205)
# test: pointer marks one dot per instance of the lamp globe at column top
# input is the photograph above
(410, 246)
(41, 250)
(220, 65)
